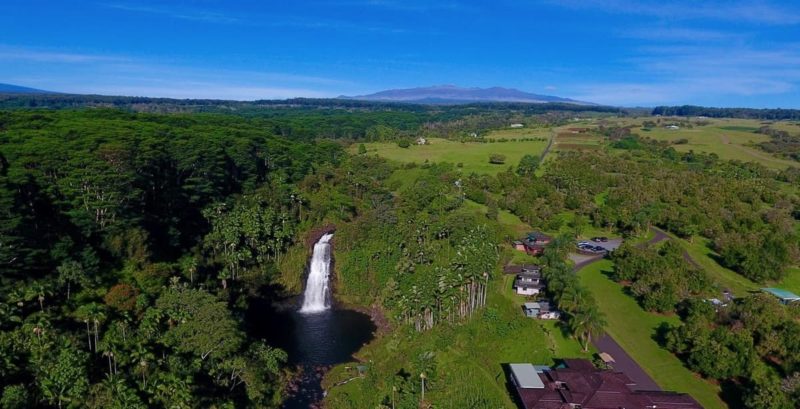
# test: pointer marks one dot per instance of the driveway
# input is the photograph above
(625, 364)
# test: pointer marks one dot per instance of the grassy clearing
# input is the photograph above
(633, 328)
(731, 139)
(792, 281)
(700, 251)
(474, 156)
(519, 133)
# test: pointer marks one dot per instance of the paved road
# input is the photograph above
(625, 364)
(658, 236)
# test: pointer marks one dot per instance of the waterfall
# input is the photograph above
(315, 298)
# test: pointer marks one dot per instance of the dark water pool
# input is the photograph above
(313, 341)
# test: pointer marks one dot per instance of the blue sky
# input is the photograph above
(630, 53)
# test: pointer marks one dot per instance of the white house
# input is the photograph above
(516, 126)
(422, 141)
(528, 283)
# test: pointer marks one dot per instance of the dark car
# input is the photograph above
(600, 239)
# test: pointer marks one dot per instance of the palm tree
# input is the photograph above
(586, 323)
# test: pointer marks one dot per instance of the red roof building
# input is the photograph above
(581, 385)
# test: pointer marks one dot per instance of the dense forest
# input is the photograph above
(130, 246)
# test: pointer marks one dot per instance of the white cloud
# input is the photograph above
(740, 11)
(8, 53)
(177, 12)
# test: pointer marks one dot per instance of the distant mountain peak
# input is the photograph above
(17, 89)
(452, 94)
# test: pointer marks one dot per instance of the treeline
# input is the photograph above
(333, 118)
(744, 113)
(130, 248)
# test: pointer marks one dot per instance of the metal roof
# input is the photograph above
(526, 377)
(782, 294)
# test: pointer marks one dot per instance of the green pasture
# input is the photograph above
(473, 156)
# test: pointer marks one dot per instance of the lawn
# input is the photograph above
(473, 155)
(633, 328)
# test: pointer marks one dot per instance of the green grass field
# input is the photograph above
(633, 328)
(731, 139)
(509, 133)
(474, 156)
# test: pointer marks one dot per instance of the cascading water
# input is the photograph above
(315, 298)
(316, 336)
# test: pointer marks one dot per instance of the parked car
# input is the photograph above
(600, 239)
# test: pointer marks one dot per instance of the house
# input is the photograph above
(540, 310)
(673, 127)
(533, 244)
(528, 282)
(578, 384)
(422, 141)
(539, 238)
(528, 247)
(516, 126)
(531, 309)
(785, 296)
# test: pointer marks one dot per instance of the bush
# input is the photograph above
(403, 143)
(497, 159)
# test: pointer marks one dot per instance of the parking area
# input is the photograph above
(588, 251)
(598, 245)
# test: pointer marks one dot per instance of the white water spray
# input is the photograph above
(315, 299)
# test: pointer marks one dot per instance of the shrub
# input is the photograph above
(403, 143)
(497, 159)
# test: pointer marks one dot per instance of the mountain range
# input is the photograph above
(16, 89)
(451, 94)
